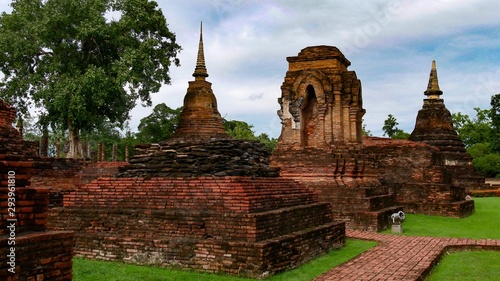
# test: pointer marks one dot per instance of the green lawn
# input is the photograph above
(464, 265)
(482, 224)
(91, 270)
(468, 266)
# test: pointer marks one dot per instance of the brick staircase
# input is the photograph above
(340, 176)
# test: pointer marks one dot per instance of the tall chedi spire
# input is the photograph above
(200, 120)
(200, 72)
(433, 91)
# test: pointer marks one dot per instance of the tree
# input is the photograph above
(478, 135)
(495, 122)
(473, 131)
(69, 59)
(159, 125)
(391, 130)
(241, 130)
(390, 124)
(400, 135)
(489, 165)
(365, 131)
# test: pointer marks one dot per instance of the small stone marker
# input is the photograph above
(397, 228)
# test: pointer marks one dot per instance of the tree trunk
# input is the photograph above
(75, 145)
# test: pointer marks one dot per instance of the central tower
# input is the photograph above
(321, 138)
(321, 102)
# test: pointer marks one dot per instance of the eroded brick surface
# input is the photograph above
(237, 225)
(37, 254)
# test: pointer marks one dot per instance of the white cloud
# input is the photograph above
(390, 43)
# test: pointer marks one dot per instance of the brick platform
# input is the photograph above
(237, 225)
(400, 257)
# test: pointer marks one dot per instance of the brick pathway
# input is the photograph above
(399, 257)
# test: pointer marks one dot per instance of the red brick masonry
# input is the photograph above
(400, 257)
(43, 255)
(237, 225)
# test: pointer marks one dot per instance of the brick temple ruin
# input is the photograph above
(201, 200)
(29, 251)
(365, 178)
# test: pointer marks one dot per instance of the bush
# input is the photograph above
(489, 165)
(485, 193)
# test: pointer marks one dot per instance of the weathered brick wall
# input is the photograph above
(28, 251)
(230, 224)
(433, 199)
(57, 175)
(342, 177)
(403, 161)
(96, 170)
(216, 157)
(36, 253)
(417, 175)
(62, 175)
(43, 256)
(30, 209)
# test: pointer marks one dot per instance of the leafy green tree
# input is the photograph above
(400, 135)
(80, 67)
(476, 130)
(495, 122)
(269, 143)
(489, 165)
(479, 150)
(365, 131)
(159, 125)
(391, 130)
(478, 136)
(241, 130)
(390, 126)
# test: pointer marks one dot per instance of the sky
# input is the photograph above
(391, 45)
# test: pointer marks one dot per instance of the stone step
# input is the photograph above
(457, 209)
(375, 220)
(271, 224)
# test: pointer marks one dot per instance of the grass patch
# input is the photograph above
(468, 266)
(91, 270)
(482, 224)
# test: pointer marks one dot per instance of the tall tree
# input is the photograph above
(82, 67)
(159, 125)
(475, 130)
(479, 135)
(241, 130)
(495, 121)
(390, 125)
(391, 130)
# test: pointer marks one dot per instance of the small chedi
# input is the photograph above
(202, 201)
(366, 178)
(28, 250)
(434, 126)
(200, 145)
(431, 172)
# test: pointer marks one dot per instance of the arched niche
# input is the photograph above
(310, 121)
